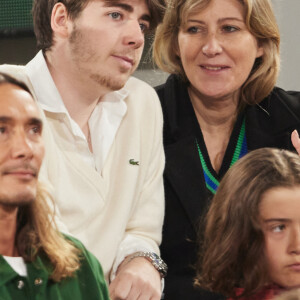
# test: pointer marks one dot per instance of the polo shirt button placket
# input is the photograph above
(20, 284)
(38, 281)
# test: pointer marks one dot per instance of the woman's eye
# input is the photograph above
(193, 29)
(115, 15)
(229, 28)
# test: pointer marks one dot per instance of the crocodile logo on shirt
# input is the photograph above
(133, 162)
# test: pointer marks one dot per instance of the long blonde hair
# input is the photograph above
(260, 21)
(37, 234)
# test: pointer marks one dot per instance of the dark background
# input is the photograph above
(17, 41)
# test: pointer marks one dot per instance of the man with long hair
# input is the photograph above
(36, 261)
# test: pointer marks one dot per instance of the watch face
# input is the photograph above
(159, 264)
(155, 257)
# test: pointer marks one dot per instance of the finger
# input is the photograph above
(140, 290)
(119, 289)
(157, 297)
(151, 296)
(148, 292)
(136, 293)
(296, 140)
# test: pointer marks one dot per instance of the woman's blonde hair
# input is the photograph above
(260, 21)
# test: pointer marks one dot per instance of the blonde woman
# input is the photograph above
(219, 103)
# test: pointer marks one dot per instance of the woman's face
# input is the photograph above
(279, 212)
(217, 50)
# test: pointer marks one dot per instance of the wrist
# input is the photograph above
(153, 258)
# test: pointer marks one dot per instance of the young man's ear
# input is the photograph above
(59, 20)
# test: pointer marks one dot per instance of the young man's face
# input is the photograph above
(21, 146)
(280, 216)
(107, 40)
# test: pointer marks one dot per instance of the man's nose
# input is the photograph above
(134, 35)
(21, 146)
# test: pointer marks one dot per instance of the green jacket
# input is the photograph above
(87, 284)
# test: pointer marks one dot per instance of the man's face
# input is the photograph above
(21, 146)
(107, 40)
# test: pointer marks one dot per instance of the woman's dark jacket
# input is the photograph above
(268, 124)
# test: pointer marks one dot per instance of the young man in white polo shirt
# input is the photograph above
(103, 133)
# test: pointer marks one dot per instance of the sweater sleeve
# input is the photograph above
(144, 228)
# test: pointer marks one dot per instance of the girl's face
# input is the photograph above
(280, 218)
(217, 50)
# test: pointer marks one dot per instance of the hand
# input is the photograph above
(296, 140)
(136, 280)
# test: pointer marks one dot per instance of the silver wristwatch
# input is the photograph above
(155, 260)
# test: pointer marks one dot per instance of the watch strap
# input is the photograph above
(154, 259)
